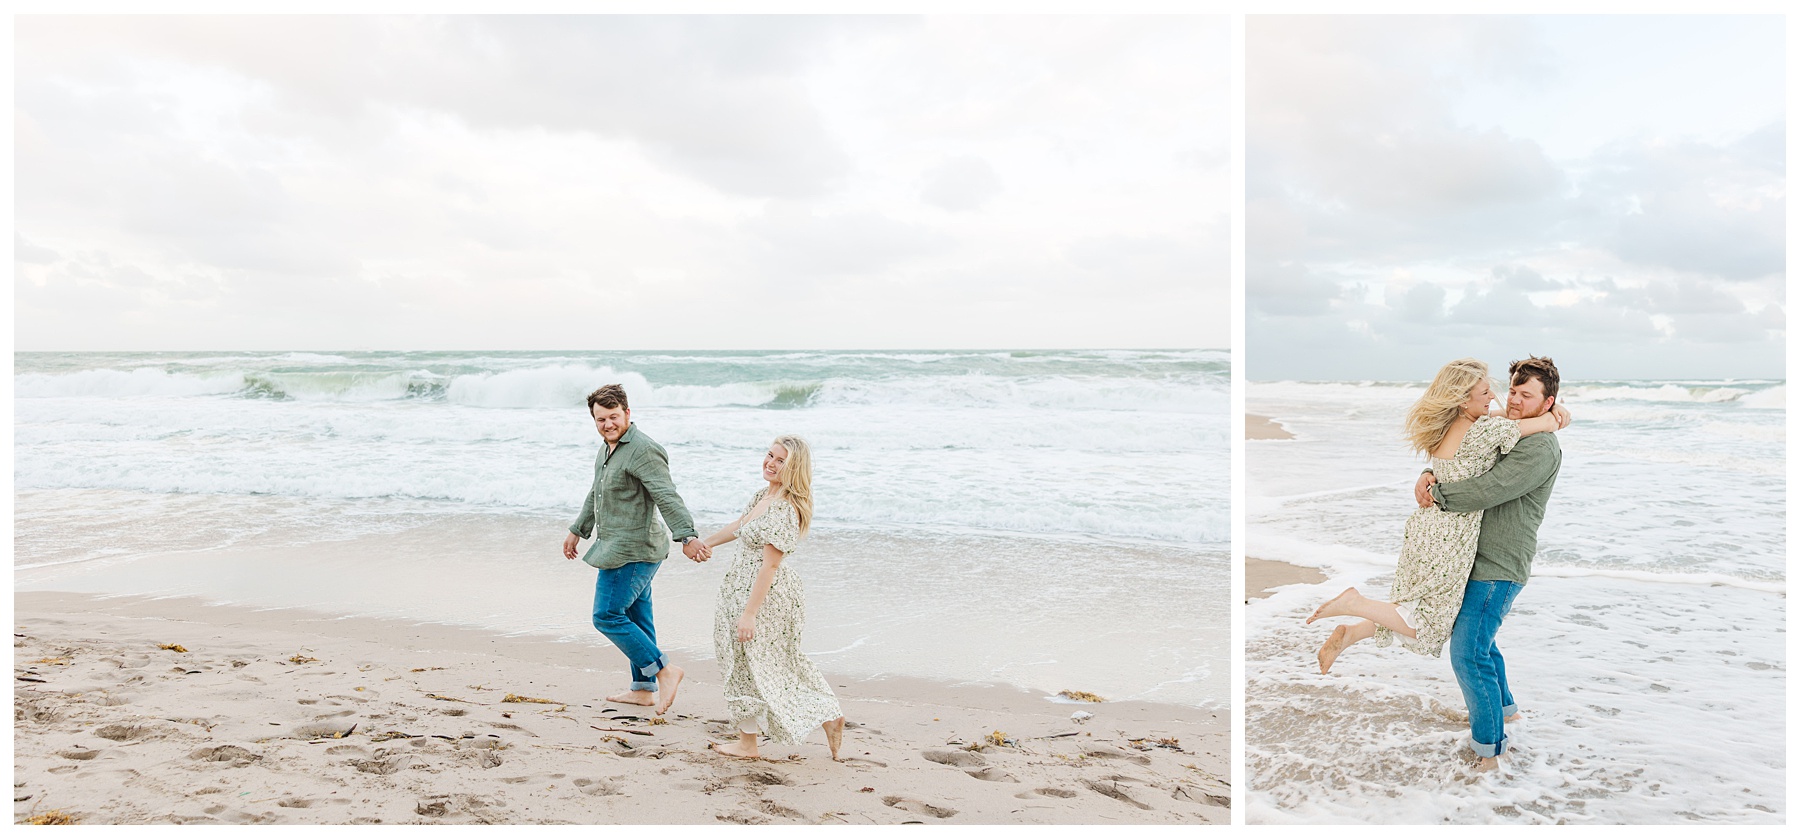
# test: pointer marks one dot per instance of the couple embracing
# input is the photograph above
(1468, 548)
(770, 687)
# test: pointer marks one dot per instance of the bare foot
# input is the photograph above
(1333, 645)
(668, 680)
(1513, 718)
(834, 735)
(1336, 606)
(1487, 764)
(737, 750)
(634, 697)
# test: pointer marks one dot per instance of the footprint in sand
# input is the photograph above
(741, 818)
(297, 803)
(780, 811)
(1111, 790)
(322, 730)
(864, 761)
(760, 777)
(975, 765)
(237, 756)
(72, 754)
(113, 700)
(993, 773)
(1053, 792)
(122, 733)
(1105, 753)
(596, 786)
(958, 759)
(914, 805)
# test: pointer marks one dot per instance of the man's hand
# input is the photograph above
(1562, 417)
(1422, 490)
(570, 542)
(696, 550)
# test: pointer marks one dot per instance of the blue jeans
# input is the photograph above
(622, 614)
(1480, 671)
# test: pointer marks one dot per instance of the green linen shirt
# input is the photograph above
(631, 482)
(1514, 493)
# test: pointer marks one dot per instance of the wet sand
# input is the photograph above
(1258, 427)
(1263, 576)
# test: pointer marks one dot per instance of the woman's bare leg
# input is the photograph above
(1341, 639)
(834, 735)
(1351, 603)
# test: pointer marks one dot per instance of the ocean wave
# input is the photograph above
(563, 385)
(1711, 393)
(143, 381)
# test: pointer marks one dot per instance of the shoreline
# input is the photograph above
(1259, 427)
(292, 716)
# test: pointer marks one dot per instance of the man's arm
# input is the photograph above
(1514, 475)
(651, 468)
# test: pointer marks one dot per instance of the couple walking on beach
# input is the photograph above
(1468, 548)
(770, 687)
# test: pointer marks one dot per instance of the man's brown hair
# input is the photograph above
(608, 396)
(1535, 367)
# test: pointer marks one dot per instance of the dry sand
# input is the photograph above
(283, 716)
(1258, 427)
(1263, 576)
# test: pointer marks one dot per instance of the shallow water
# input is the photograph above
(1647, 652)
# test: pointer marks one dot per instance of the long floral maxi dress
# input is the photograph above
(1439, 547)
(770, 686)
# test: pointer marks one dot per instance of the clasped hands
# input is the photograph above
(697, 550)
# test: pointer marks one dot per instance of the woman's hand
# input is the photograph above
(746, 628)
(1562, 416)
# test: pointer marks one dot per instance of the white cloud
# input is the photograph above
(1368, 164)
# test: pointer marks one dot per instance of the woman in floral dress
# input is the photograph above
(770, 686)
(1450, 423)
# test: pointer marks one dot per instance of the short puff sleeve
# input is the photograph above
(1498, 433)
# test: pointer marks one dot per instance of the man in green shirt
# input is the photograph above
(1514, 493)
(631, 483)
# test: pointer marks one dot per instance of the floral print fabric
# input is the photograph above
(769, 683)
(1439, 547)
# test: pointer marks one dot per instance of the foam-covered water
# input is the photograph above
(1082, 453)
(1647, 652)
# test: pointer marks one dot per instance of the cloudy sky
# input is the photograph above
(609, 182)
(1609, 191)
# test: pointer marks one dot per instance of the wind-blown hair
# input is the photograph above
(1430, 417)
(796, 477)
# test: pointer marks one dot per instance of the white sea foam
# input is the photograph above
(1646, 652)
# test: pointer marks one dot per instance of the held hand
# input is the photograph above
(1422, 490)
(570, 542)
(1562, 417)
(697, 551)
(746, 628)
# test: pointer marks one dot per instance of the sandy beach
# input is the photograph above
(1257, 427)
(288, 716)
(1263, 576)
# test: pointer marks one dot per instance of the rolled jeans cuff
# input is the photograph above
(644, 678)
(1507, 711)
(1488, 749)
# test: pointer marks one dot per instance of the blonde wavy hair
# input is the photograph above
(796, 477)
(1429, 418)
